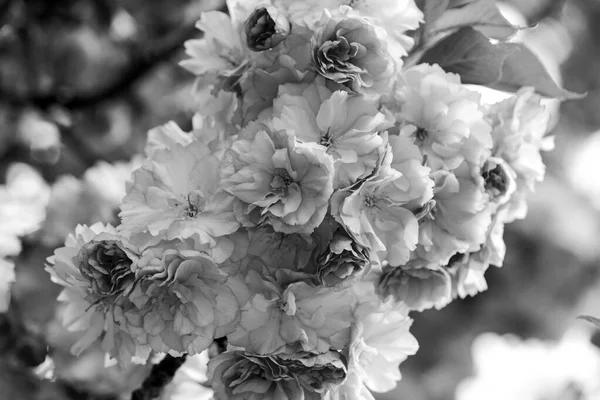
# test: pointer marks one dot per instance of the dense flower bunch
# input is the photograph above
(325, 191)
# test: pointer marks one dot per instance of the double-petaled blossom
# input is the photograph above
(220, 58)
(182, 300)
(519, 125)
(274, 179)
(395, 16)
(351, 51)
(279, 316)
(343, 262)
(95, 268)
(418, 285)
(459, 219)
(236, 375)
(441, 116)
(176, 194)
(380, 342)
(348, 126)
(380, 212)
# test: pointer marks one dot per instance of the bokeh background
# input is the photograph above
(82, 81)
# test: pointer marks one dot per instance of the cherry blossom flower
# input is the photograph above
(277, 180)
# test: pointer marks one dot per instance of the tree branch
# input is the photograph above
(142, 62)
(160, 376)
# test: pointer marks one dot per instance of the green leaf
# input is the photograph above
(434, 9)
(593, 320)
(470, 54)
(522, 68)
(502, 66)
(482, 14)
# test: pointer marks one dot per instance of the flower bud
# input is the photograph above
(266, 28)
(344, 261)
(106, 263)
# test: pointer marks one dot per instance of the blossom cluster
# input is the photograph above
(325, 191)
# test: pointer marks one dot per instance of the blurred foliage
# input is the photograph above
(83, 81)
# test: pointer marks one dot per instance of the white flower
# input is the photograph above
(380, 342)
(182, 300)
(94, 268)
(348, 126)
(176, 194)
(278, 180)
(395, 16)
(519, 125)
(23, 201)
(219, 58)
(442, 117)
(297, 316)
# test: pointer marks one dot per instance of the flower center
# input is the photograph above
(326, 139)
(496, 180)
(281, 180)
(370, 200)
(421, 134)
(195, 205)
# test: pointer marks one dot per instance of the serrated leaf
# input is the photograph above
(593, 320)
(522, 68)
(481, 14)
(470, 54)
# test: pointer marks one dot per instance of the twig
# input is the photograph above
(160, 376)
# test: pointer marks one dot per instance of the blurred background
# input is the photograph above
(82, 81)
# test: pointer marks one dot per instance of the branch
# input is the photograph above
(160, 376)
(142, 62)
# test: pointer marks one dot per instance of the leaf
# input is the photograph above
(502, 66)
(433, 10)
(522, 68)
(482, 14)
(470, 54)
(593, 320)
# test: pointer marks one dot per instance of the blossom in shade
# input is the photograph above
(236, 375)
(317, 373)
(95, 269)
(276, 180)
(182, 300)
(349, 50)
(343, 262)
(441, 116)
(297, 316)
(417, 285)
(278, 250)
(265, 28)
(348, 126)
(176, 194)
